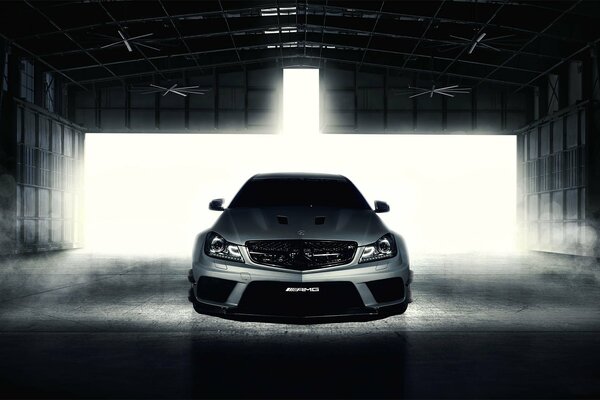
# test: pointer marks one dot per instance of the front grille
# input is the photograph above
(287, 298)
(301, 255)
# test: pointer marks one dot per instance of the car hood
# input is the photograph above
(238, 225)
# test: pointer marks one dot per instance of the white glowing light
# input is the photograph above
(270, 12)
(149, 193)
(300, 102)
(284, 29)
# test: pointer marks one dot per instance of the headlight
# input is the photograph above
(216, 246)
(384, 248)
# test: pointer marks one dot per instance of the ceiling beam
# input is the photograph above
(322, 30)
(558, 64)
(177, 31)
(305, 22)
(451, 74)
(129, 21)
(298, 55)
(479, 31)
(316, 28)
(431, 21)
(420, 17)
(279, 29)
(317, 9)
(340, 43)
(38, 59)
(68, 36)
(533, 38)
(121, 28)
(371, 35)
(229, 30)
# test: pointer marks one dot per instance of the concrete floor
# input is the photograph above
(74, 324)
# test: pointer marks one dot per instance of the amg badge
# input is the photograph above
(302, 289)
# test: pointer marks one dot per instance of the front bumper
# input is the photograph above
(247, 289)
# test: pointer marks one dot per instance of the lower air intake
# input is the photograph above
(300, 299)
(385, 290)
(214, 289)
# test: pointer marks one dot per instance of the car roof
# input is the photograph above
(298, 175)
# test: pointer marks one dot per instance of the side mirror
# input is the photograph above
(381, 206)
(216, 205)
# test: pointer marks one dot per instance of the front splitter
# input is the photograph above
(350, 315)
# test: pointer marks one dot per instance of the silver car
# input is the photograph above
(301, 246)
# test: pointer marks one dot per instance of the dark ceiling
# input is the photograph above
(519, 41)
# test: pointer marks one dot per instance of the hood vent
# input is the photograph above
(319, 220)
(282, 219)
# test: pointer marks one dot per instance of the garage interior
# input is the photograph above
(478, 121)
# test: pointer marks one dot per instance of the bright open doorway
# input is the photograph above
(148, 193)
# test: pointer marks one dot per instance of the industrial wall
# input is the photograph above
(558, 165)
(41, 160)
(8, 151)
(48, 180)
(377, 100)
(553, 176)
(366, 100)
(238, 100)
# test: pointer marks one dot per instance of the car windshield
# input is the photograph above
(272, 192)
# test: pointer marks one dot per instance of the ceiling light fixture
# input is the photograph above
(272, 12)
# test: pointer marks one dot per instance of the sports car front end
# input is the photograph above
(289, 259)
